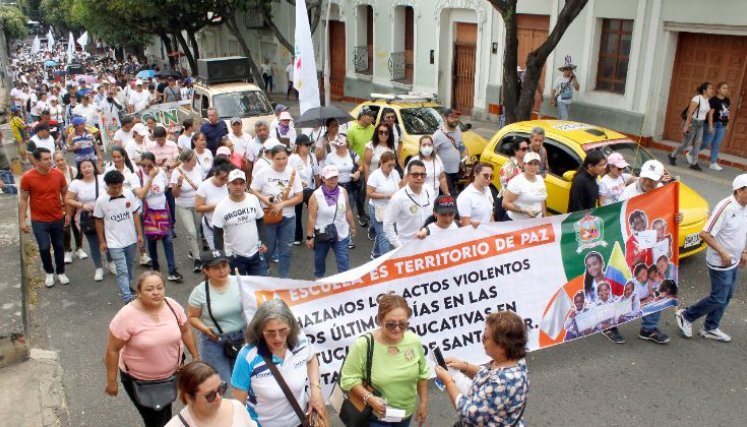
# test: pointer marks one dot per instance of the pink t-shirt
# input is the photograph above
(153, 348)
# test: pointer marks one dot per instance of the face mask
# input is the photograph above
(427, 150)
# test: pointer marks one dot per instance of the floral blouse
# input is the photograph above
(496, 398)
(509, 170)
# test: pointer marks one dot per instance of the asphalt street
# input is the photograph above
(588, 382)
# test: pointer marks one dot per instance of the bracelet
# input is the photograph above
(365, 399)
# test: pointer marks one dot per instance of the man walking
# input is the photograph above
(214, 130)
(238, 227)
(409, 207)
(725, 234)
(447, 141)
(43, 189)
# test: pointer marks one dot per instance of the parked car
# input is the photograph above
(567, 143)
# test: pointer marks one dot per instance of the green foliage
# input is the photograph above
(14, 22)
(58, 13)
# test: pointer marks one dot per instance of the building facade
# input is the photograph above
(639, 61)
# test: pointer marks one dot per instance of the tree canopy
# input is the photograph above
(14, 22)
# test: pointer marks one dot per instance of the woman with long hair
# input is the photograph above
(71, 231)
(202, 154)
(381, 142)
(303, 160)
(185, 180)
(718, 122)
(435, 177)
(693, 121)
(80, 200)
(381, 185)
(475, 203)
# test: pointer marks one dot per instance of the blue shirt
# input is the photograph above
(213, 134)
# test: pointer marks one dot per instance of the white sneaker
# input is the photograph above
(49, 280)
(686, 327)
(81, 254)
(144, 259)
(112, 267)
(68, 257)
(63, 279)
(715, 167)
(689, 157)
(715, 334)
(98, 275)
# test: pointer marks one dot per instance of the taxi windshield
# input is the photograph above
(634, 154)
(242, 104)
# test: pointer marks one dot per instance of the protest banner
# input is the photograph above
(166, 114)
(108, 123)
(567, 276)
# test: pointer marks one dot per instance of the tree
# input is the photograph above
(314, 10)
(14, 23)
(518, 106)
(58, 14)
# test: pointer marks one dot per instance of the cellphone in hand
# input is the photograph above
(439, 357)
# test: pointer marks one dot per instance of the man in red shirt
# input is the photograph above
(42, 190)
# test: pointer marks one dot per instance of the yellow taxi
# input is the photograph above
(566, 143)
(417, 116)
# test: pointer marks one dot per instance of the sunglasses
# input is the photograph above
(418, 175)
(487, 175)
(212, 395)
(279, 333)
(383, 132)
(523, 148)
(392, 326)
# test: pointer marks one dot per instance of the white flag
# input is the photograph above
(36, 45)
(553, 322)
(83, 39)
(50, 40)
(70, 48)
(304, 72)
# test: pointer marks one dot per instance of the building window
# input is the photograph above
(363, 53)
(614, 55)
(401, 61)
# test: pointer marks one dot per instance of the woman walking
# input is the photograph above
(475, 203)
(71, 230)
(526, 194)
(307, 168)
(185, 181)
(347, 163)
(381, 142)
(435, 177)
(382, 184)
(209, 193)
(718, 122)
(80, 200)
(692, 128)
(513, 167)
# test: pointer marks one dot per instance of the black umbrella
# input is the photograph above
(169, 73)
(316, 117)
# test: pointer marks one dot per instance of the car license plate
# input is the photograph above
(692, 240)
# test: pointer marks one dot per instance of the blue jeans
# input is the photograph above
(249, 266)
(211, 353)
(10, 183)
(714, 139)
(123, 259)
(723, 285)
(93, 245)
(650, 321)
(374, 422)
(563, 110)
(342, 255)
(280, 236)
(168, 249)
(381, 244)
(50, 235)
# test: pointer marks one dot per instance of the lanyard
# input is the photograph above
(418, 204)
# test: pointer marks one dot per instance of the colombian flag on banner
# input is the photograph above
(617, 272)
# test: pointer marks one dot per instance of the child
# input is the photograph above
(642, 286)
(444, 213)
(629, 293)
(579, 306)
(185, 139)
(604, 290)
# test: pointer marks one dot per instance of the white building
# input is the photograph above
(639, 61)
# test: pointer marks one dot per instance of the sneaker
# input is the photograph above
(98, 275)
(145, 260)
(686, 327)
(654, 335)
(715, 334)
(175, 276)
(68, 257)
(275, 260)
(197, 266)
(371, 234)
(362, 222)
(189, 255)
(696, 167)
(63, 279)
(81, 254)
(373, 256)
(715, 167)
(112, 267)
(49, 280)
(296, 243)
(613, 335)
(672, 160)
(689, 157)
(351, 246)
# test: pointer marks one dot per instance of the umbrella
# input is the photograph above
(146, 74)
(315, 117)
(50, 63)
(169, 73)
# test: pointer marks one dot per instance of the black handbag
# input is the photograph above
(87, 220)
(329, 234)
(157, 394)
(231, 348)
(353, 411)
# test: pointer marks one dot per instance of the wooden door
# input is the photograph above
(735, 141)
(532, 31)
(463, 72)
(337, 59)
(713, 58)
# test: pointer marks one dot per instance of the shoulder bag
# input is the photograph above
(329, 234)
(352, 410)
(231, 348)
(156, 222)
(286, 390)
(270, 218)
(87, 221)
(157, 394)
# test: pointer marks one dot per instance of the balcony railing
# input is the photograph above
(362, 59)
(397, 66)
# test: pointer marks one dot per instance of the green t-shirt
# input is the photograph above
(358, 137)
(394, 376)
(226, 306)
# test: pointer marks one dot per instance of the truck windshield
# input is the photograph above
(242, 104)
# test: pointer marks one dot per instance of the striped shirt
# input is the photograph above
(85, 149)
(728, 225)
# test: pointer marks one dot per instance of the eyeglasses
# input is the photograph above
(383, 132)
(418, 175)
(212, 395)
(282, 333)
(487, 175)
(523, 148)
(392, 326)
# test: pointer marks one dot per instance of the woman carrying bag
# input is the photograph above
(307, 168)
(80, 199)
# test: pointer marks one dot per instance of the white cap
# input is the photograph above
(223, 151)
(236, 174)
(140, 129)
(652, 169)
(271, 143)
(739, 182)
(330, 171)
(285, 116)
(531, 156)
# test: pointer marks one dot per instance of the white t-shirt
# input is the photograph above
(336, 213)
(530, 195)
(344, 165)
(563, 89)
(611, 189)
(123, 136)
(212, 195)
(476, 205)
(239, 223)
(87, 112)
(240, 418)
(40, 106)
(47, 143)
(433, 170)
(240, 142)
(305, 170)
(377, 152)
(254, 150)
(118, 215)
(703, 108)
(633, 190)
(261, 164)
(184, 142)
(383, 184)
(289, 69)
(134, 150)
(271, 183)
(435, 230)
(205, 160)
(187, 193)
(131, 182)
(156, 197)
(139, 100)
(85, 192)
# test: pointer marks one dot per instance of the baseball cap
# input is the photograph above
(451, 111)
(78, 121)
(223, 151)
(339, 141)
(236, 120)
(15, 108)
(213, 258)
(280, 108)
(330, 171)
(236, 174)
(445, 204)
(617, 160)
(271, 143)
(303, 139)
(285, 116)
(652, 169)
(138, 82)
(528, 157)
(140, 129)
(366, 111)
(739, 182)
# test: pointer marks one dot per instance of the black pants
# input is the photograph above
(299, 211)
(357, 195)
(72, 229)
(172, 206)
(151, 417)
(452, 179)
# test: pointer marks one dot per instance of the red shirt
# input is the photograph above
(45, 194)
